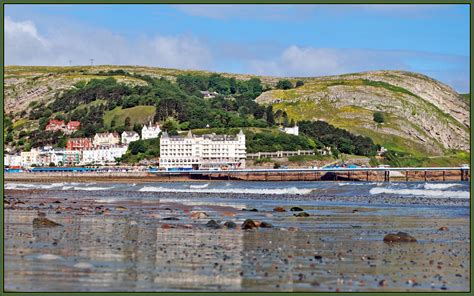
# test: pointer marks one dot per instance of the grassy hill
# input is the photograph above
(137, 114)
(423, 117)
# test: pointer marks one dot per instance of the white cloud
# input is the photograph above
(24, 45)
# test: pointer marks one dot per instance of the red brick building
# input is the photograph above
(55, 125)
(73, 126)
(78, 144)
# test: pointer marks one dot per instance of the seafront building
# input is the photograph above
(78, 143)
(151, 131)
(103, 140)
(202, 152)
(102, 155)
(128, 137)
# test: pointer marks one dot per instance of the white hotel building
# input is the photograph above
(202, 152)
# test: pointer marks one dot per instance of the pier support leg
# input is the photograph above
(406, 176)
(444, 176)
(367, 176)
(348, 175)
(425, 176)
(462, 175)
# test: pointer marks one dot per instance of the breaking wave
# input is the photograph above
(199, 186)
(439, 185)
(291, 190)
(91, 188)
(422, 192)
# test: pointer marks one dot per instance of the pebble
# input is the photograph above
(279, 209)
(302, 214)
(83, 265)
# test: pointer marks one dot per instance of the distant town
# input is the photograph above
(208, 151)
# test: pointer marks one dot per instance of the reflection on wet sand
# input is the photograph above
(127, 246)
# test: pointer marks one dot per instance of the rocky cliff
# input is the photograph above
(421, 114)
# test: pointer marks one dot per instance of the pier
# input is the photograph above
(405, 174)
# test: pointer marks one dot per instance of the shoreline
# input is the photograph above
(145, 177)
(373, 200)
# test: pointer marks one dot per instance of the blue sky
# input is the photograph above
(279, 40)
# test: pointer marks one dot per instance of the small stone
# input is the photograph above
(383, 283)
(119, 208)
(279, 209)
(296, 209)
(302, 214)
(249, 224)
(171, 219)
(250, 210)
(443, 228)
(199, 215)
(56, 202)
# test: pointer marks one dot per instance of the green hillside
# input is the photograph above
(138, 114)
(421, 116)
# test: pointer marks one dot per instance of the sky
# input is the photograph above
(275, 40)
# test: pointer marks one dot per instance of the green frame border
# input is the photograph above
(336, 2)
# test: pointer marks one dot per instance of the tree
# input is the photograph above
(378, 117)
(270, 117)
(284, 84)
(299, 83)
(127, 123)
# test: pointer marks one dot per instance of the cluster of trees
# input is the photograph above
(272, 142)
(286, 84)
(340, 139)
(142, 149)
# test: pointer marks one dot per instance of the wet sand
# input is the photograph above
(125, 244)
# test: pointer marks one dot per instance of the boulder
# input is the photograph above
(399, 237)
(42, 222)
(230, 224)
(279, 209)
(302, 214)
(213, 224)
(249, 224)
(265, 225)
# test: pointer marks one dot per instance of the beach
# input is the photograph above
(117, 236)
